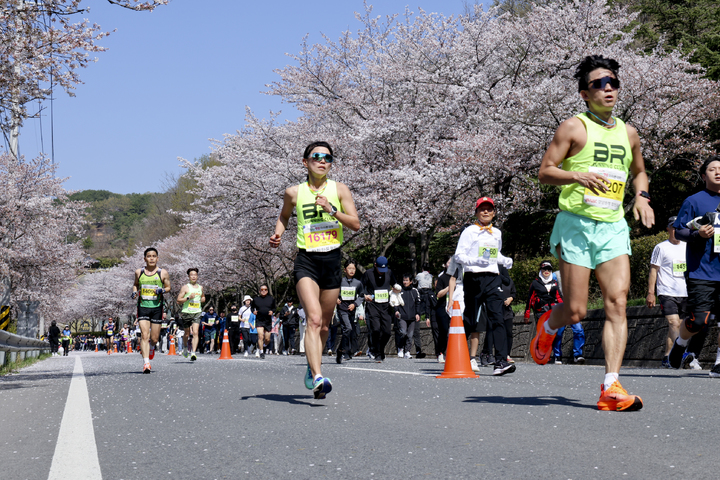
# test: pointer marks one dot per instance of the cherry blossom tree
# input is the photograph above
(43, 46)
(40, 252)
(429, 112)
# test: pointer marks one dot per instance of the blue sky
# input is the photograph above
(178, 77)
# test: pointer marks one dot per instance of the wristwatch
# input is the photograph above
(333, 210)
(644, 194)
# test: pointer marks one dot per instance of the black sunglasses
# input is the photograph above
(600, 83)
(322, 156)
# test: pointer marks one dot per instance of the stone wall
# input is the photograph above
(647, 331)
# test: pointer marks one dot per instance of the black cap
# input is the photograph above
(671, 220)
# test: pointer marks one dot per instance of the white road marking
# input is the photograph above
(76, 454)
(389, 371)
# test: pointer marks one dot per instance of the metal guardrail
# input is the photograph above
(9, 342)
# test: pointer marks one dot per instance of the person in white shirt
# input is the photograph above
(244, 314)
(667, 270)
(478, 250)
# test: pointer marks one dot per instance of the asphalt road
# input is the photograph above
(252, 418)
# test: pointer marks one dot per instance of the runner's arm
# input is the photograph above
(182, 296)
(652, 277)
(289, 201)
(641, 208)
(349, 216)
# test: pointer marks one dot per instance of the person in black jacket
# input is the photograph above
(509, 294)
(351, 297)
(263, 306)
(544, 293)
(54, 338)
(407, 316)
(290, 320)
(376, 284)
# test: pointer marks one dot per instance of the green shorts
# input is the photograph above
(187, 319)
(588, 242)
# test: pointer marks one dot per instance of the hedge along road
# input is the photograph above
(249, 418)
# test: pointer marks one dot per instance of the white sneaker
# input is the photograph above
(695, 365)
(474, 365)
(441, 358)
(408, 356)
(257, 353)
(245, 354)
(558, 362)
(400, 353)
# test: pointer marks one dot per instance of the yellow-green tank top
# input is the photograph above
(608, 153)
(317, 230)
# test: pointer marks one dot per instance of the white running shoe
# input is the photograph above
(245, 354)
(400, 353)
(408, 356)
(257, 353)
(441, 358)
(474, 365)
(695, 365)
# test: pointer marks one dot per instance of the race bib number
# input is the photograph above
(194, 305)
(147, 292)
(382, 296)
(110, 332)
(211, 321)
(347, 293)
(716, 239)
(234, 318)
(612, 199)
(322, 237)
(489, 252)
(163, 325)
(679, 268)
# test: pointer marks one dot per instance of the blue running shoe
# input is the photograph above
(308, 379)
(687, 358)
(666, 362)
(321, 388)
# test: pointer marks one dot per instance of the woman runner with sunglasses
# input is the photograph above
(323, 208)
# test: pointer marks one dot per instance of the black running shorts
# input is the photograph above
(672, 305)
(263, 321)
(152, 314)
(322, 267)
(703, 295)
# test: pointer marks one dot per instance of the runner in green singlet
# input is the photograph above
(191, 297)
(150, 284)
(324, 207)
(592, 156)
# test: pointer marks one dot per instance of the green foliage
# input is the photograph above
(87, 243)
(92, 196)
(692, 25)
(108, 262)
(640, 262)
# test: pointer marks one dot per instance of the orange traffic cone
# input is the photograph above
(127, 346)
(115, 351)
(225, 352)
(172, 345)
(96, 349)
(457, 362)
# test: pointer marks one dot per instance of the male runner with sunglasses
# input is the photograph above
(591, 157)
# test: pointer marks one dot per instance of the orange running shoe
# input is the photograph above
(541, 345)
(146, 368)
(616, 398)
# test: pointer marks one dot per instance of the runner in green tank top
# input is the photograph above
(591, 156)
(191, 297)
(324, 207)
(151, 283)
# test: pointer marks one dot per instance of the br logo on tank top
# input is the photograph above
(612, 199)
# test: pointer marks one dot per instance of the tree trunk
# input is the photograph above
(412, 246)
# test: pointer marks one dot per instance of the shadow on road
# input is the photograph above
(291, 399)
(531, 401)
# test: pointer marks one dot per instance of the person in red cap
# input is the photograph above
(478, 251)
